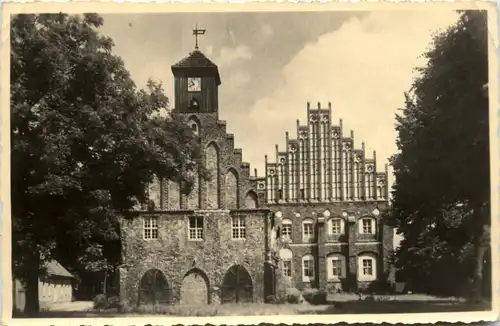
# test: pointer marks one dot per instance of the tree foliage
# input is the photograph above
(442, 191)
(85, 142)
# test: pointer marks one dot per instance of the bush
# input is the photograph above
(100, 301)
(275, 300)
(294, 296)
(113, 302)
(314, 296)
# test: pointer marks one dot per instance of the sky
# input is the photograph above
(273, 63)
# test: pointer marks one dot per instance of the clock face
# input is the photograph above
(194, 84)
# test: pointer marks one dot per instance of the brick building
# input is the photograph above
(327, 197)
(223, 242)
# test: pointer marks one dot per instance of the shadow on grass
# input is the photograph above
(396, 307)
(346, 307)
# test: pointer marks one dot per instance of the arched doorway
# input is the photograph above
(237, 285)
(154, 288)
(194, 289)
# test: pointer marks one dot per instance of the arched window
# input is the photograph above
(251, 200)
(367, 225)
(308, 268)
(336, 267)
(212, 186)
(231, 185)
(367, 267)
(286, 230)
(307, 230)
(286, 262)
(194, 124)
(336, 226)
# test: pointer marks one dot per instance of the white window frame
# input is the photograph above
(341, 226)
(238, 228)
(150, 228)
(288, 236)
(196, 232)
(287, 267)
(372, 224)
(361, 267)
(286, 256)
(306, 237)
(332, 259)
(310, 268)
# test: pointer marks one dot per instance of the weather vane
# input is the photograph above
(197, 32)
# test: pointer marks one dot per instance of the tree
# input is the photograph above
(441, 196)
(84, 142)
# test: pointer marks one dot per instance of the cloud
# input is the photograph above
(230, 55)
(236, 79)
(363, 69)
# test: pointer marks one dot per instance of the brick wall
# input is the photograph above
(350, 245)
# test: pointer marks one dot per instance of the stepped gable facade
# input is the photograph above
(327, 197)
(209, 246)
(312, 221)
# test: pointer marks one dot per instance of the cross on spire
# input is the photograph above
(197, 32)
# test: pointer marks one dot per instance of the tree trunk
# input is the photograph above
(104, 283)
(32, 275)
(481, 246)
(478, 272)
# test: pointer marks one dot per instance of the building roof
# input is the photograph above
(56, 269)
(195, 59)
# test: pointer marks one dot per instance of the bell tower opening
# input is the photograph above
(196, 82)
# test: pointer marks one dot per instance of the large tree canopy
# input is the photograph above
(85, 141)
(442, 191)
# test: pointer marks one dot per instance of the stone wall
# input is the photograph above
(175, 255)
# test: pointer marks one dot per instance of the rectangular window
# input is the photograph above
(286, 232)
(302, 194)
(308, 268)
(336, 226)
(150, 227)
(280, 194)
(367, 267)
(239, 227)
(367, 226)
(337, 268)
(196, 228)
(308, 232)
(287, 268)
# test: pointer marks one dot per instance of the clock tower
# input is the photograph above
(196, 82)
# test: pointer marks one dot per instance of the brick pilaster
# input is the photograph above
(322, 277)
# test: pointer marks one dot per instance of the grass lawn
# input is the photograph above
(338, 304)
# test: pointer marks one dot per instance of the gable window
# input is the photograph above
(196, 228)
(238, 227)
(367, 267)
(367, 226)
(336, 265)
(336, 226)
(307, 231)
(150, 227)
(286, 230)
(307, 268)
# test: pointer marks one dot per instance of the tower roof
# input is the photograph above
(196, 60)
